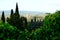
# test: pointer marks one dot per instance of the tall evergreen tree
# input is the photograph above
(11, 17)
(34, 19)
(17, 10)
(3, 17)
(31, 20)
(11, 13)
(15, 17)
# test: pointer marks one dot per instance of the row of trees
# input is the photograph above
(15, 19)
(20, 22)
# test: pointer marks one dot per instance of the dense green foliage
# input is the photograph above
(16, 20)
(52, 22)
(8, 32)
(49, 30)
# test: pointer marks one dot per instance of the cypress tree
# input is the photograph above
(11, 13)
(17, 10)
(15, 18)
(31, 20)
(3, 17)
(34, 19)
(11, 17)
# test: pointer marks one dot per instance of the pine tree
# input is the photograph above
(31, 20)
(17, 10)
(10, 20)
(11, 13)
(3, 17)
(34, 19)
(15, 17)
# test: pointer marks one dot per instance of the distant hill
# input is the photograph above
(23, 12)
(28, 14)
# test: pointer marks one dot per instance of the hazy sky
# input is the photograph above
(31, 5)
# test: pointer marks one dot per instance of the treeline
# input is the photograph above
(49, 31)
(19, 21)
(15, 19)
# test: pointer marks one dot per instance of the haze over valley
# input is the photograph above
(28, 14)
